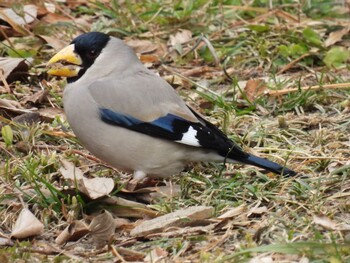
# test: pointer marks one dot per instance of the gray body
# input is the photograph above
(132, 89)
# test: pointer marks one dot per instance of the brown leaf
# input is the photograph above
(93, 188)
(181, 37)
(325, 222)
(130, 255)
(49, 114)
(153, 194)
(126, 208)
(141, 46)
(254, 88)
(10, 16)
(27, 225)
(29, 118)
(156, 255)
(183, 231)
(177, 218)
(55, 42)
(336, 36)
(102, 228)
(52, 18)
(257, 210)
(14, 106)
(6, 242)
(75, 231)
(233, 212)
(13, 68)
(37, 98)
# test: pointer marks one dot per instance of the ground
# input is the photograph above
(274, 76)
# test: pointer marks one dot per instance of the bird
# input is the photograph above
(132, 119)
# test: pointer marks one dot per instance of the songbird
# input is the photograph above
(131, 118)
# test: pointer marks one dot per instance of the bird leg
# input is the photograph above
(138, 177)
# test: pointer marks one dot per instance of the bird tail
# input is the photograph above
(265, 164)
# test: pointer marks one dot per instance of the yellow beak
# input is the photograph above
(66, 63)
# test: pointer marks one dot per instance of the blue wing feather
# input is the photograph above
(169, 127)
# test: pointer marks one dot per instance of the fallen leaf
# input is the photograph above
(254, 88)
(153, 194)
(13, 68)
(129, 209)
(36, 98)
(52, 18)
(257, 210)
(14, 106)
(177, 218)
(183, 231)
(141, 46)
(11, 17)
(130, 255)
(233, 212)
(76, 230)
(181, 37)
(27, 225)
(49, 114)
(102, 228)
(156, 255)
(325, 222)
(29, 118)
(5, 242)
(55, 42)
(336, 36)
(93, 188)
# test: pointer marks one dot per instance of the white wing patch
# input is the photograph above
(189, 138)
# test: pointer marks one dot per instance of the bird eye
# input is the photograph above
(92, 53)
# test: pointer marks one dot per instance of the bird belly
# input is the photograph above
(122, 148)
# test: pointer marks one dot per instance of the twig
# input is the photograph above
(3, 80)
(290, 64)
(316, 87)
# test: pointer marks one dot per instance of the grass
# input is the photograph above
(307, 130)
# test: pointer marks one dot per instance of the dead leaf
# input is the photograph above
(27, 225)
(13, 68)
(37, 98)
(177, 218)
(5, 242)
(130, 255)
(93, 188)
(14, 106)
(336, 36)
(76, 230)
(29, 118)
(233, 212)
(153, 194)
(102, 228)
(183, 231)
(257, 210)
(156, 255)
(254, 88)
(141, 46)
(181, 37)
(129, 209)
(52, 18)
(325, 222)
(49, 114)
(11, 17)
(55, 42)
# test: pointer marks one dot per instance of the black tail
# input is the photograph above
(266, 164)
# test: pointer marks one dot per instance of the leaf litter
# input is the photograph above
(79, 206)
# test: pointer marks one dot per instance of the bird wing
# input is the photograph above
(145, 103)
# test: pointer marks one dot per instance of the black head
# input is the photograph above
(89, 46)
